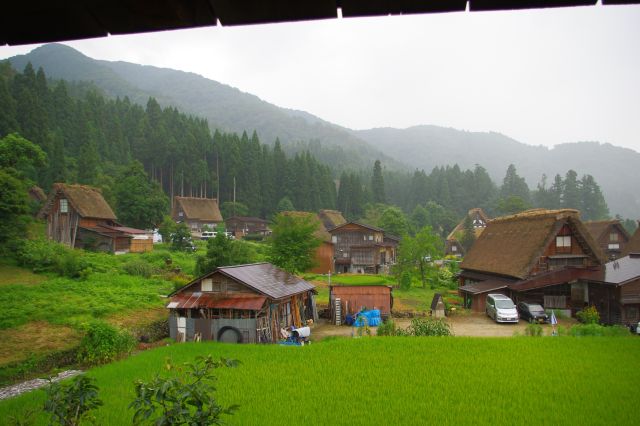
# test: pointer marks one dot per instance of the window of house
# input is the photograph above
(64, 205)
(180, 214)
(454, 248)
(345, 254)
(370, 237)
(563, 241)
(613, 236)
(614, 246)
(334, 239)
(207, 284)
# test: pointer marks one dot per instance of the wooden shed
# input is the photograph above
(79, 216)
(354, 298)
(243, 304)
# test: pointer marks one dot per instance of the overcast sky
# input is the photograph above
(539, 76)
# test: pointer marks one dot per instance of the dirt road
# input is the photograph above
(477, 325)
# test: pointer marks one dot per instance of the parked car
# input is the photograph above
(207, 235)
(532, 312)
(501, 308)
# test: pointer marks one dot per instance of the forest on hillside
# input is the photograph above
(91, 139)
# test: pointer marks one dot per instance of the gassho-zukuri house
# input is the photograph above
(549, 257)
(243, 304)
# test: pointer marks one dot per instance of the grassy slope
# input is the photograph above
(400, 381)
(45, 312)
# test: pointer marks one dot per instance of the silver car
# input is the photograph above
(501, 308)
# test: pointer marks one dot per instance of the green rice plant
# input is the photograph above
(533, 330)
(592, 329)
(320, 383)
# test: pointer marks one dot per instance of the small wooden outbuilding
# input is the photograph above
(438, 307)
(243, 304)
(354, 298)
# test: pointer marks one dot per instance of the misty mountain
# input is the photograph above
(226, 108)
(424, 147)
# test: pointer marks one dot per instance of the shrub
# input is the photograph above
(534, 330)
(70, 403)
(103, 343)
(429, 327)
(405, 280)
(139, 267)
(43, 255)
(589, 315)
(187, 398)
(254, 237)
(389, 328)
(598, 330)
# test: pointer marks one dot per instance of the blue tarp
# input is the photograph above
(371, 318)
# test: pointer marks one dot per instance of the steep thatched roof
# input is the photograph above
(205, 209)
(597, 228)
(321, 232)
(37, 194)
(457, 232)
(633, 246)
(331, 218)
(511, 245)
(86, 200)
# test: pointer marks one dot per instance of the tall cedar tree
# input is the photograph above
(468, 234)
(140, 203)
(293, 244)
(377, 184)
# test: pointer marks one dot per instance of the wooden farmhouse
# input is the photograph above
(549, 257)
(452, 246)
(633, 246)
(196, 212)
(242, 226)
(331, 218)
(78, 216)
(354, 298)
(244, 304)
(610, 236)
(361, 248)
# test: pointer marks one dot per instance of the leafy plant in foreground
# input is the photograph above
(103, 343)
(429, 327)
(589, 315)
(188, 398)
(70, 403)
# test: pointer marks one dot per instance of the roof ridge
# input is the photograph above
(244, 264)
(539, 213)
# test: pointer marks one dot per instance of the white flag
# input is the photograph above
(554, 321)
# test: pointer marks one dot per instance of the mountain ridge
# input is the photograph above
(419, 147)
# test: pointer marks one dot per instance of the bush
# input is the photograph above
(389, 328)
(429, 327)
(598, 330)
(103, 343)
(139, 268)
(534, 330)
(254, 237)
(405, 280)
(589, 315)
(188, 398)
(48, 256)
(70, 403)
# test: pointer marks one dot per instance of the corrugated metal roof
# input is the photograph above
(360, 289)
(560, 276)
(622, 270)
(209, 300)
(267, 279)
(483, 286)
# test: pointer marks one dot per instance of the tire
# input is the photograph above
(229, 328)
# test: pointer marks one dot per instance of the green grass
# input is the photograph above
(399, 381)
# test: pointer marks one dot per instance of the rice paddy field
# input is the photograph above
(393, 381)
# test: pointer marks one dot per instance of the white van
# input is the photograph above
(207, 235)
(501, 308)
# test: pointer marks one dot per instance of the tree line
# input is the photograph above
(90, 139)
